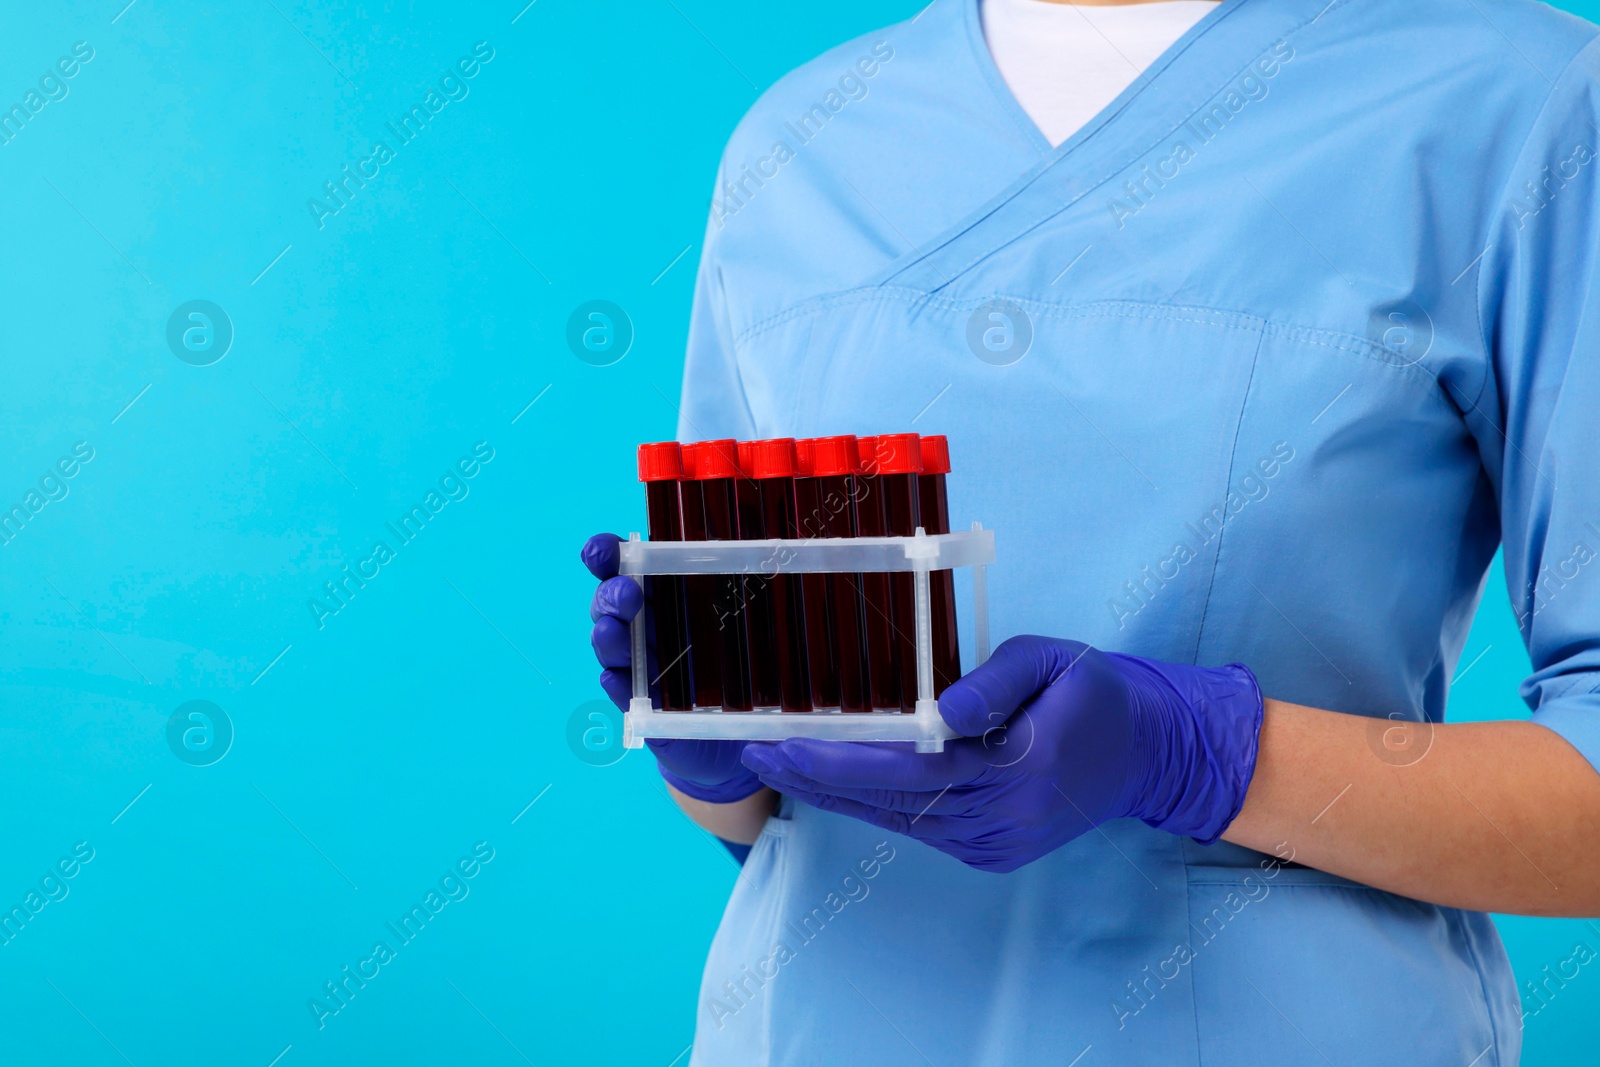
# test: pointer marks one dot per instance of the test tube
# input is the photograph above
(761, 624)
(716, 469)
(934, 509)
(872, 520)
(835, 641)
(822, 660)
(661, 469)
(705, 656)
(899, 463)
(773, 467)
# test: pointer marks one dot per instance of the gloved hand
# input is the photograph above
(1058, 738)
(705, 770)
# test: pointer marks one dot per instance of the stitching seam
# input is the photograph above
(1483, 985)
(1225, 318)
(1150, 147)
(1222, 535)
(1490, 241)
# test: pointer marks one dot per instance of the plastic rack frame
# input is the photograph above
(920, 555)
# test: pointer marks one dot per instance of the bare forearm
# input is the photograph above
(1497, 816)
(739, 822)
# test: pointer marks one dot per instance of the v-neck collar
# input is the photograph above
(983, 58)
(1199, 66)
(989, 70)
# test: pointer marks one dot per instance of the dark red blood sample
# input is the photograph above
(899, 462)
(934, 509)
(760, 621)
(661, 469)
(773, 467)
(816, 594)
(825, 495)
(872, 520)
(715, 467)
(705, 657)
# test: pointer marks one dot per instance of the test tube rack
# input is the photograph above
(920, 554)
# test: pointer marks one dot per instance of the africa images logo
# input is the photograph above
(452, 86)
(451, 887)
(453, 485)
(52, 87)
(737, 190)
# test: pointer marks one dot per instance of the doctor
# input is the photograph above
(1256, 328)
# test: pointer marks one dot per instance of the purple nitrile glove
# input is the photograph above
(1058, 738)
(705, 770)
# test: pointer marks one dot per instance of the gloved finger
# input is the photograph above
(701, 761)
(865, 764)
(600, 555)
(941, 802)
(953, 836)
(1001, 862)
(618, 597)
(931, 829)
(618, 686)
(612, 641)
(984, 699)
(696, 759)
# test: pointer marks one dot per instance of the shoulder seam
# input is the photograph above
(1490, 241)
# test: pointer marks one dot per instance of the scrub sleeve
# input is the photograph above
(1536, 420)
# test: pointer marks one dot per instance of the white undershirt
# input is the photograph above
(1064, 62)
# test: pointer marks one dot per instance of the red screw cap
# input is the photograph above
(899, 453)
(704, 460)
(867, 450)
(832, 456)
(935, 455)
(773, 459)
(803, 463)
(661, 461)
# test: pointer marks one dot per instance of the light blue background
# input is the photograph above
(426, 715)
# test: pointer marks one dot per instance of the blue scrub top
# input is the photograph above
(1288, 340)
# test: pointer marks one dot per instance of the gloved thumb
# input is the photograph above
(601, 555)
(985, 699)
